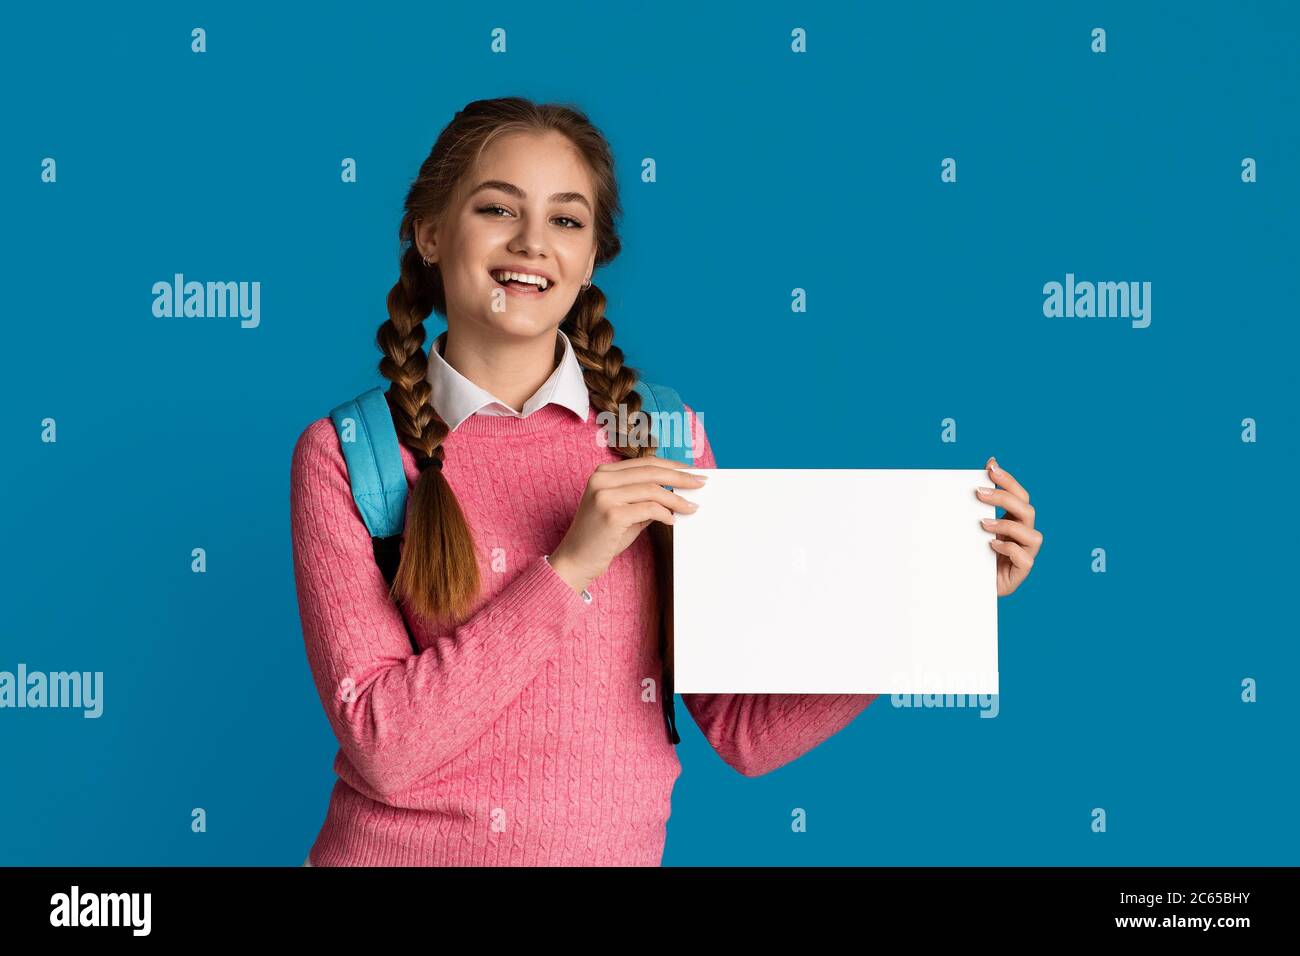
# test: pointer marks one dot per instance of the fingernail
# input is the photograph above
(986, 522)
(984, 491)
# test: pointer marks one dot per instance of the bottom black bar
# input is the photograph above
(239, 904)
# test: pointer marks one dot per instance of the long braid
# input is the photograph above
(434, 574)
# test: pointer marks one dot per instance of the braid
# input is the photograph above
(438, 573)
(406, 364)
(610, 383)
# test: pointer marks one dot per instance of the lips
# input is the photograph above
(516, 288)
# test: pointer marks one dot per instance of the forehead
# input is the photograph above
(539, 163)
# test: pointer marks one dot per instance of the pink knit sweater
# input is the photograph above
(525, 736)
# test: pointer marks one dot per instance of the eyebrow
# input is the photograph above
(518, 193)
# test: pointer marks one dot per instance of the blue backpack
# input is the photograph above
(379, 488)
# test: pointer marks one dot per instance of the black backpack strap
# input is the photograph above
(665, 406)
(670, 708)
(388, 554)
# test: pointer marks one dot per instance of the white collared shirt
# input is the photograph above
(456, 398)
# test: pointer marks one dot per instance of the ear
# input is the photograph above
(426, 239)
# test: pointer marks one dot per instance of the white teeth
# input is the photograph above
(539, 281)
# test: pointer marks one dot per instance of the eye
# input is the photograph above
(495, 208)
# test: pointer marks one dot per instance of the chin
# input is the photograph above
(525, 321)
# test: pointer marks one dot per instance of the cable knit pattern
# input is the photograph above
(519, 738)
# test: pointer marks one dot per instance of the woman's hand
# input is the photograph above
(621, 498)
(1015, 539)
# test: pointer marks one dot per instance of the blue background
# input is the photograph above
(775, 171)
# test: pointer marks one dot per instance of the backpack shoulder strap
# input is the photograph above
(374, 458)
(364, 426)
(668, 421)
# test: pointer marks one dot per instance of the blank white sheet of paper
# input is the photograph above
(835, 581)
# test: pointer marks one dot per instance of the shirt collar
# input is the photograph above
(455, 398)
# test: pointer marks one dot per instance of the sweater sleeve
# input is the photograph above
(757, 733)
(399, 716)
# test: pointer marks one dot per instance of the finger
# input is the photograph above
(649, 491)
(1019, 557)
(1009, 503)
(1004, 478)
(670, 500)
(1031, 538)
(639, 474)
(643, 511)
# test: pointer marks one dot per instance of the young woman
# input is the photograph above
(529, 728)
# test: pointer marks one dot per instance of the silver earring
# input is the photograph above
(427, 261)
(586, 285)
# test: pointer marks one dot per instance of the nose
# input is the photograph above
(530, 236)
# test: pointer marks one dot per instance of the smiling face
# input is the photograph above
(526, 209)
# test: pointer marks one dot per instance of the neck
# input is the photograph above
(509, 367)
